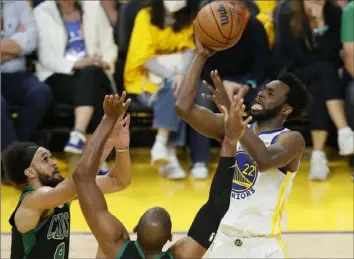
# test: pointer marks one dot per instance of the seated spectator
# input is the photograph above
(347, 36)
(160, 49)
(249, 59)
(309, 43)
(243, 68)
(76, 57)
(18, 39)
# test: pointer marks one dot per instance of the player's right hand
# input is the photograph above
(203, 50)
(219, 95)
(235, 125)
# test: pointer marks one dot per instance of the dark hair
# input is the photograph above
(77, 6)
(11, 160)
(298, 96)
(299, 20)
(184, 17)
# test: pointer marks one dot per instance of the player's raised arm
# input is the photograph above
(117, 178)
(107, 229)
(119, 175)
(201, 119)
(205, 224)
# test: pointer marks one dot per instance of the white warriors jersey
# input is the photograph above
(257, 198)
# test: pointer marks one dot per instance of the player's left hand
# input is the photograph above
(219, 95)
(120, 136)
(235, 125)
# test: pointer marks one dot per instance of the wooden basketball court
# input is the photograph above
(320, 215)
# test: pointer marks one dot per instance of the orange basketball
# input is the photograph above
(219, 25)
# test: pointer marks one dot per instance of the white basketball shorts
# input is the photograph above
(225, 246)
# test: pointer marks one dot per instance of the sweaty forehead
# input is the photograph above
(278, 86)
(41, 151)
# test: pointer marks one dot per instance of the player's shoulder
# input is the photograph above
(30, 194)
(291, 136)
(42, 189)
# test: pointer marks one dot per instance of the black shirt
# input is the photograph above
(307, 50)
(247, 60)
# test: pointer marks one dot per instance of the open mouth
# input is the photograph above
(257, 106)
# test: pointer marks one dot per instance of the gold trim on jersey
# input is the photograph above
(276, 228)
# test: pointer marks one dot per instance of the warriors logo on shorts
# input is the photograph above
(244, 178)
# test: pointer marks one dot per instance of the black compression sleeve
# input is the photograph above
(207, 220)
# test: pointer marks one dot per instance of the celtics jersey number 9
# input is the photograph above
(50, 239)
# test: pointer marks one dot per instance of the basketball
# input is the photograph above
(219, 25)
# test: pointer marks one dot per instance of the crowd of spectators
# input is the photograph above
(86, 49)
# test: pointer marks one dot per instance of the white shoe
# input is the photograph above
(346, 141)
(319, 166)
(159, 154)
(200, 171)
(173, 170)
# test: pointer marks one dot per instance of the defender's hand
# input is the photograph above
(219, 95)
(233, 88)
(235, 125)
(123, 104)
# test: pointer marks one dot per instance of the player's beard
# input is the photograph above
(50, 181)
(267, 115)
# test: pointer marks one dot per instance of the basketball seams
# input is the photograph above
(212, 33)
(200, 26)
(243, 27)
(217, 24)
(232, 22)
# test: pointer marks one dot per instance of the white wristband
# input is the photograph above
(122, 150)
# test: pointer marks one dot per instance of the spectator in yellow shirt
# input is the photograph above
(266, 8)
(160, 50)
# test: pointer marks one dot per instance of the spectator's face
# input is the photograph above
(310, 3)
(270, 101)
(174, 6)
(45, 168)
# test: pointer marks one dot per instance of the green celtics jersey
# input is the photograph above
(50, 239)
(132, 250)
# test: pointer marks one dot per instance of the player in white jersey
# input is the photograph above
(253, 224)
(267, 159)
